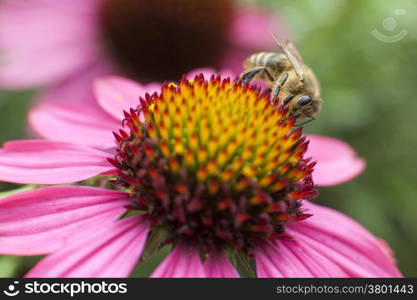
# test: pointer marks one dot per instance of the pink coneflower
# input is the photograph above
(209, 167)
(44, 42)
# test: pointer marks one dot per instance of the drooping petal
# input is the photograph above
(272, 262)
(116, 94)
(218, 266)
(48, 162)
(74, 123)
(183, 262)
(355, 249)
(111, 251)
(45, 41)
(292, 259)
(328, 244)
(336, 160)
(44, 220)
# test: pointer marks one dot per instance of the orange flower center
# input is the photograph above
(215, 162)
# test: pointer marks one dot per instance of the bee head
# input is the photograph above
(304, 106)
(303, 101)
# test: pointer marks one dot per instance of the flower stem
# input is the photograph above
(18, 190)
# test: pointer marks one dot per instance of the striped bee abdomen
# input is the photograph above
(275, 62)
(262, 59)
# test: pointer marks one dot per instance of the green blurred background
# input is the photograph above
(369, 88)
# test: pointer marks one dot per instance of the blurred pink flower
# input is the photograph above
(78, 226)
(48, 42)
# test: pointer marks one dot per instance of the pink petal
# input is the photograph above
(218, 266)
(295, 260)
(272, 262)
(339, 245)
(250, 34)
(45, 41)
(44, 220)
(78, 88)
(251, 30)
(233, 59)
(116, 94)
(336, 160)
(48, 162)
(183, 262)
(112, 251)
(153, 87)
(74, 123)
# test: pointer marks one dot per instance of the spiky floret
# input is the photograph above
(215, 162)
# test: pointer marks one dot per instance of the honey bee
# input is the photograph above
(290, 82)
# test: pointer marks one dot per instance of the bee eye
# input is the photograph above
(304, 100)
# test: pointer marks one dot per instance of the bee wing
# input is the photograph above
(292, 53)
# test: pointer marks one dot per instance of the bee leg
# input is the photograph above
(277, 89)
(287, 99)
(248, 76)
(270, 77)
(305, 122)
